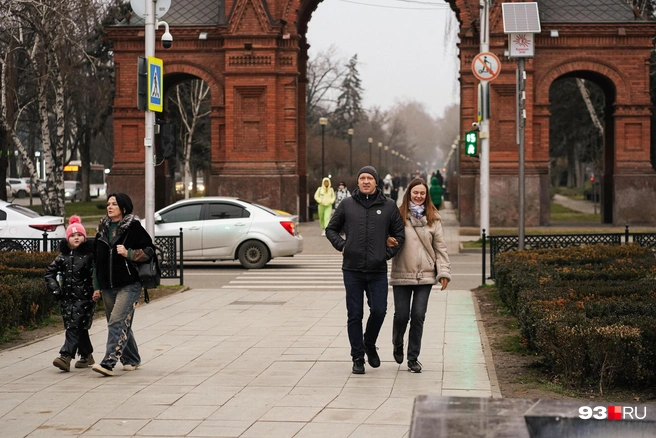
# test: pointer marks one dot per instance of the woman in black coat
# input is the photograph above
(121, 243)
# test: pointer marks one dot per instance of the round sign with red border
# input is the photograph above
(486, 66)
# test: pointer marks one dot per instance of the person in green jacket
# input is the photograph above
(436, 192)
(325, 197)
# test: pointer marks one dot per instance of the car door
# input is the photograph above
(225, 224)
(187, 217)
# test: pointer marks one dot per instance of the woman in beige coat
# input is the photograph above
(421, 263)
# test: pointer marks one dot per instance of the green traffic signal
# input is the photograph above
(471, 143)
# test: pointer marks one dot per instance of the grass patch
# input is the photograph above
(564, 214)
(84, 209)
(473, 244)
(512, 344)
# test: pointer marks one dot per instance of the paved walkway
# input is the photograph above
(587, 207)
(263, 355)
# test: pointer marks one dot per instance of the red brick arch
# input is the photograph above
(199, 71)
(577, 64)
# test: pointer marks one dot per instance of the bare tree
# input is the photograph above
(192, 103)
(46, 40)
(325, 73)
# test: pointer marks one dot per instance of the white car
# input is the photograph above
(222, 228)
(9, 191)
(18, 222)
(19, 187)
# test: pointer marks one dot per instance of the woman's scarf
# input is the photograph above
(417, 210)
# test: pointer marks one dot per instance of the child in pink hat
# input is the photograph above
(70, 279)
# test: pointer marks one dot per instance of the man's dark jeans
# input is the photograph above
(417, 314)
(374, 284)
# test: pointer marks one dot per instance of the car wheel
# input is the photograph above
(253, 254)
(21, 194)
(10, 245)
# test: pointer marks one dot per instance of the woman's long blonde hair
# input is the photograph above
(431, 212)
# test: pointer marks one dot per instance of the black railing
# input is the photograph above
(499, 244)
(169, 251)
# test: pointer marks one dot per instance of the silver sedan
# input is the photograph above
(222, 228)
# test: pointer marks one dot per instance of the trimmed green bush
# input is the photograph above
(590, 310)
(24, 299)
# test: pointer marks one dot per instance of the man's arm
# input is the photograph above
(396, 230)
(335, 226)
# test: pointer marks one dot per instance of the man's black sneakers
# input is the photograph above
(372, 355)
(358, 365)
(414, 366)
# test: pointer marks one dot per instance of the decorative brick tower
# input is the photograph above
(606, 44)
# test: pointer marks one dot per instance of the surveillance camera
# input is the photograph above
(475, 125)
(167, 40)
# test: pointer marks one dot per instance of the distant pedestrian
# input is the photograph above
(387, 185)
(422, 262)
(120, 242)
(325, 197)
(70, 279)
(367, 219)
(341, 194)
(396, 185)
(436, 192)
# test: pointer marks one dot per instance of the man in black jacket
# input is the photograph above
(367, 219)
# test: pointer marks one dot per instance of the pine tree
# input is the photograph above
(349, 103)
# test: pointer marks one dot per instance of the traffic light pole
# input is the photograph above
(149, 172)
(485, 126)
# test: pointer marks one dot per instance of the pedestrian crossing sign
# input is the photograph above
(155, 84)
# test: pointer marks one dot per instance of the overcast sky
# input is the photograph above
(406, 48)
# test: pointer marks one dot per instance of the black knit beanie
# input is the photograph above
(370, 170)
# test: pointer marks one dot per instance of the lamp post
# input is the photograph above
(371, 141)
(393, 152)
(323, 122)
(380, 148)
(350, 134)
(386, 158)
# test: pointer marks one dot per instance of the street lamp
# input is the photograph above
(350, 134)
(371, 141)
(323, 122)
(386, 157)
(380, 148)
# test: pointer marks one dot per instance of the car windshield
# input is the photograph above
(23, 210)
(70, 185)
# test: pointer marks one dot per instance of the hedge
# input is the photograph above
(24, 299)
(589, 311)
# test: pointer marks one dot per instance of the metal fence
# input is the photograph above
(169, 251)
(499, 244)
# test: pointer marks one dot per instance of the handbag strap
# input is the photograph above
(428, 250)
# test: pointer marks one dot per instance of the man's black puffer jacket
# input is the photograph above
(367, 221)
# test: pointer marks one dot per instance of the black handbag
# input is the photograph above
(149, 273)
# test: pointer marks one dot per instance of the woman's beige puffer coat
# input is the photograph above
(413, 265)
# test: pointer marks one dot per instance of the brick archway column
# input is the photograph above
(217, 141)
(634, 178)
(541, 158)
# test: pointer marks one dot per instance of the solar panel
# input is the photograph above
(521, 18)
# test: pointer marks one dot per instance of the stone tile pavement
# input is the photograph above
(264, 355)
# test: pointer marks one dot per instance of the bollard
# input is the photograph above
(181, 260)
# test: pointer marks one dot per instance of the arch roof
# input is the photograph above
(187, 13)
(586, 11)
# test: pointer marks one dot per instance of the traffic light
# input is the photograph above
(471, 143)
(142, 84)
(168, 140)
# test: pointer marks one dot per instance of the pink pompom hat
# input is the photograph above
(75, 226)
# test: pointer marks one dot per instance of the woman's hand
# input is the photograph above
(391, 241)
(444, 282)
(96, 296)
(122, 250)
